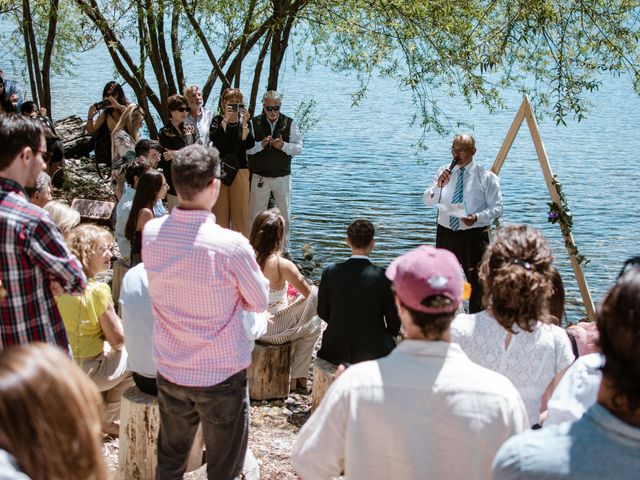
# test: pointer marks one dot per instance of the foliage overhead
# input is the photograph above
(554, 50)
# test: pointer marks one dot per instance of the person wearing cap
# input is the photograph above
(425, 410)
(466, 183)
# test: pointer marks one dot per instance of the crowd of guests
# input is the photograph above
(422, 389)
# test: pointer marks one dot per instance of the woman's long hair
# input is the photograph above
(516, 277)
(146, 195)
(266, 235)
(117, 89)
(51, 412)
(130, 117)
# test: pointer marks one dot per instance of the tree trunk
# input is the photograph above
(31, 51)
(46, 58)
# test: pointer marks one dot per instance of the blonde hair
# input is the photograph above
(51, 414)
(65, 217)
(131, 115)
(86, 240)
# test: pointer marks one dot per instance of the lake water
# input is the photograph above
(361, 162)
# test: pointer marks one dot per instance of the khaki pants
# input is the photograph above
(232, 208)
(109, 372)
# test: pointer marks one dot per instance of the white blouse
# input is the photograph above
(531, 360)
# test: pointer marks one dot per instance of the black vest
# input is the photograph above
(271, 162)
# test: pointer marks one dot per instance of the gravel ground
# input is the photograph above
(274, 426)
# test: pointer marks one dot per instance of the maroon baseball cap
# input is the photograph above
(426, 272)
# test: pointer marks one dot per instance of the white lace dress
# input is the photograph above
(531, 360)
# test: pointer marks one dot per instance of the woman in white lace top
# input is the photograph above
(515, 336)
(292, 301)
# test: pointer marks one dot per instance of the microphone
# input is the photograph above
(454, 162)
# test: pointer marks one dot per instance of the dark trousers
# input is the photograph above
(146, 385)
(223, 410)
(468, 246)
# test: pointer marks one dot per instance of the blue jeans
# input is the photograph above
(223, 410)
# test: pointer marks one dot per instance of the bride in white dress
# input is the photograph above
(292, 301)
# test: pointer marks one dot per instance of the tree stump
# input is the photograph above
(119, 269)
(139, 426)
(323, 375)
(268, 374)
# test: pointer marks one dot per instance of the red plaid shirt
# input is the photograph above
(32, 253)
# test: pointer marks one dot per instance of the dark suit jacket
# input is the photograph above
(355, 299)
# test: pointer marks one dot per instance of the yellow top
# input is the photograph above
(80, 314)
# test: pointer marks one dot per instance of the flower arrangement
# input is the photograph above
(561, 214)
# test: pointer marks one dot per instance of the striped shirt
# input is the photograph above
(32, 253)
(201, 277)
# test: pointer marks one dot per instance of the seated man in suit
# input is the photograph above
(356, 301)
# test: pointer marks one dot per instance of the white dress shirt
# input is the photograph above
(481, 194)
(424, 411)
(292, 147)
(202, 123)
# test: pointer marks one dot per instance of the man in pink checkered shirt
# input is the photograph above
(201, 278)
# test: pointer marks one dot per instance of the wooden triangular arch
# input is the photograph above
(525, 112)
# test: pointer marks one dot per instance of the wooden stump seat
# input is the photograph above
(323, 375)
(268, 374)
(139, 425)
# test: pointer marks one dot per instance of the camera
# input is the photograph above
(236, 107)
(101, 105)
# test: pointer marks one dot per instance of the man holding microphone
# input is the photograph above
(464, 182)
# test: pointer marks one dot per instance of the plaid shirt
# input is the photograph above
(201, 277)
(32, 253)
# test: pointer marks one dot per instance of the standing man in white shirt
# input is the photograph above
(278, 139)
(199, 116)
(423, 411)
(466, 182)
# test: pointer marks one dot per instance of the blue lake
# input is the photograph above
(361, 162)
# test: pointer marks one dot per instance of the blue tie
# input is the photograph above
(454, 222)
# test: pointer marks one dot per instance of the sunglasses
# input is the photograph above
(182, 109)
(275, 108)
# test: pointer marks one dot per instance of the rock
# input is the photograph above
(77, 142)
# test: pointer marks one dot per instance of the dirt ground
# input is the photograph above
(274, 426)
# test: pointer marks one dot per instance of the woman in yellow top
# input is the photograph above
(91, 320)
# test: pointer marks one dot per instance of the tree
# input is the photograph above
(556, 51)
(552, 50)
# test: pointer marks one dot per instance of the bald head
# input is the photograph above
(463, 149)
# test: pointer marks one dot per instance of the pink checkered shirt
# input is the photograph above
(201, 277)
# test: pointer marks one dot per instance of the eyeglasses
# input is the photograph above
(182, 109)
(45, 155)
(275, 108)
(458, 150)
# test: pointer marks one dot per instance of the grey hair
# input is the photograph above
(272, 95)
(42, 182)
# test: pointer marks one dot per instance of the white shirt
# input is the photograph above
(531, 361)
(137, 320)
(481, 194)
(291, 148)
(424, 411)
(202, 123)
(577, 391)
